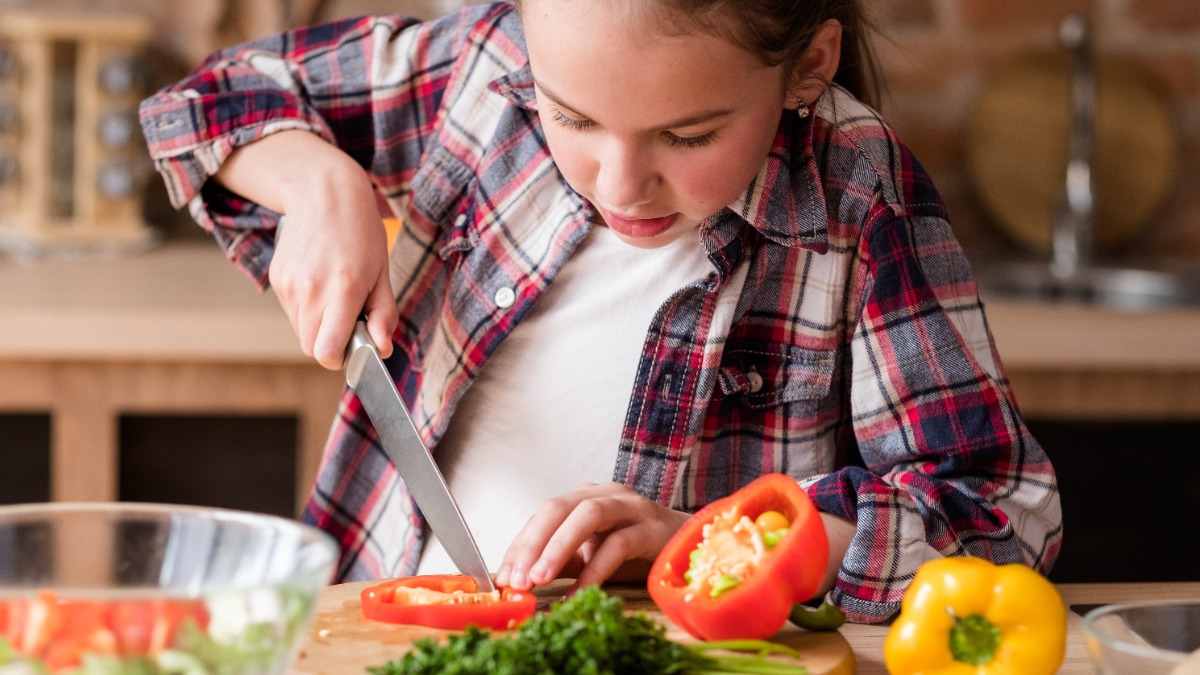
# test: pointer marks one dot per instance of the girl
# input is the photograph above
(650, 251)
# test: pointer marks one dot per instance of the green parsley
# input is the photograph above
(590, 634)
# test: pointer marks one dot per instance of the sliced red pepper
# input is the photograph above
(757, 607)
(394, 601)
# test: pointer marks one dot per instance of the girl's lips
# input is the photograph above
(641, 228)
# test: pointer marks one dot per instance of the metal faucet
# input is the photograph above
(1072, 240)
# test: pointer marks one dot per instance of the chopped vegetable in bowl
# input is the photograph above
(226, 634)
(149, 589)
(231, 633)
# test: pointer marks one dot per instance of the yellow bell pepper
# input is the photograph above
(966, 615)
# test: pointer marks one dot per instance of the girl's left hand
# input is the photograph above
(591, 534)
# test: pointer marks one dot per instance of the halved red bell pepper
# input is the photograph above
(787, 573)
(447, 601)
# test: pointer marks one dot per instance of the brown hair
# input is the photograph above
(779, 32)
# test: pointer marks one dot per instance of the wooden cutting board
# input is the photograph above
(342, 642)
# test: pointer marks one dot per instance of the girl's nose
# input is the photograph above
(626, 177)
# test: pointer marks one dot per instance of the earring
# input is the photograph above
(802, 110)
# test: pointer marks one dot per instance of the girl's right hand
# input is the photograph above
(330, 261)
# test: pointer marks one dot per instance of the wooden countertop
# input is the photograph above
(319, 655)
(181, 301)
(1032, 335)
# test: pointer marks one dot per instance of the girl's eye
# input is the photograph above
(690, 141)
(673, 140)
(569, 122)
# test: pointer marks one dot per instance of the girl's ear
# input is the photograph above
(815, 70)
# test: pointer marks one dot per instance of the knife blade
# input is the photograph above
(366, 374)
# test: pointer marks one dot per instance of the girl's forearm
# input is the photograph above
(288, 166)
(839, 531)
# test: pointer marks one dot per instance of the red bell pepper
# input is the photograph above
(756, 607)
(447, 601)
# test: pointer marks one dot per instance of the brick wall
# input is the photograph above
(937, 57)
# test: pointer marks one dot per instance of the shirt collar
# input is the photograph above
(517, 87)
(785, 202)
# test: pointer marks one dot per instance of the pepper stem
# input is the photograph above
(973, 639)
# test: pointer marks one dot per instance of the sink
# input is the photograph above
(1126, 288)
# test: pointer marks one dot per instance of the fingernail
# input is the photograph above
(502, 575)
(518, 581)
(540, 572)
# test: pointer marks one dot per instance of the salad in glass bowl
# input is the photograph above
(150, 589)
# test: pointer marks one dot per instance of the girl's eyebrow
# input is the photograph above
(682, 122)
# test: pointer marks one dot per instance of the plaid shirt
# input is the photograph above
(839, 339)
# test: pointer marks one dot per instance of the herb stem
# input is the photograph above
(753, 664)
(760, 647)
(748, 664)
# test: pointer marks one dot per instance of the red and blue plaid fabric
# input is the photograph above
(839, 338)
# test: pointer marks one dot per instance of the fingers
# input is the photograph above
(612, 562)
(333, 330)
(382, 314)
(594, 516)
(602, 527)
(322, 319)
(523, 553)
(337, 325)
(325, 277)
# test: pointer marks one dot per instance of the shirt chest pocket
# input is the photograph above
(771, 374)
(443, 193)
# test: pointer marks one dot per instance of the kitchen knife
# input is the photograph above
(369, 378)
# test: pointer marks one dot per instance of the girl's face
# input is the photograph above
(657, 130)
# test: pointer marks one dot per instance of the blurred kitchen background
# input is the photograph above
(1106, 366)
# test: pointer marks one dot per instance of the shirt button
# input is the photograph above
(460, 220)
(756, 381)
(505, 297)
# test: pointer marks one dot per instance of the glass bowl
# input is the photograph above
(155, 588)
(1144, 638)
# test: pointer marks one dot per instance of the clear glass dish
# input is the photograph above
(124, 588)
(1144, 638)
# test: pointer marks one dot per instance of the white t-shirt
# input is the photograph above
(545, 414)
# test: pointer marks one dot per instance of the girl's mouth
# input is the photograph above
(640, 228)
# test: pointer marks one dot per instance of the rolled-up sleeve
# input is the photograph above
(949, 467)
(371, 85)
